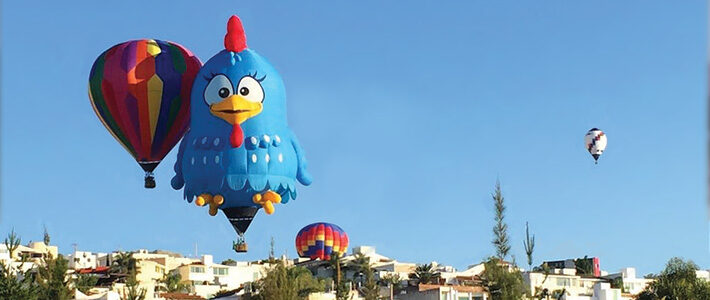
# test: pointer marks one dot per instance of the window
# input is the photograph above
(463, 298)
(196, 269)
(221, 271)
(563, 282)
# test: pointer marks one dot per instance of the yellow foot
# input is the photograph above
(214, 205)
(267, 200)
(214, 202)
(203, 199)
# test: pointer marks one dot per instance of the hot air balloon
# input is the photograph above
(595, 142)
(239, 155)
(140, 90)
(321, 241)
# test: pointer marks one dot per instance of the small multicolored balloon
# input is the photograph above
(140, 90)
(595, 142)
(321, 241)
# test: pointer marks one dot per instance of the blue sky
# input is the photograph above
(408, 114)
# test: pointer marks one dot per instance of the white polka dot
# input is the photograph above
(216, 141)
(277, 139)
(267, 157)
(267, 138)
(216, 159)
(192, 161)
(204, 140)
(254, 140)
(281, 157)
(204, 160)
(253, 158)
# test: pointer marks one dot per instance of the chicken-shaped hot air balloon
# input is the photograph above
(239, 154)
(595, 142)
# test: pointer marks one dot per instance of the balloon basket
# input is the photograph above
(240, 246)
(149, 180)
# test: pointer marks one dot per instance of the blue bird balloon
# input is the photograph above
(239, 154)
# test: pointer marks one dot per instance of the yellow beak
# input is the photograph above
(235, 109)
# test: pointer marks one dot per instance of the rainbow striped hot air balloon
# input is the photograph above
(140, 90)
(321, 240)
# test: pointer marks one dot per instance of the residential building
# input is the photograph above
(444, 292)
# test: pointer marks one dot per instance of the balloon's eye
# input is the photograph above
(217, 89)
(250, 89)
(224, 92)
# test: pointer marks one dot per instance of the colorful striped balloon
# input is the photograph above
(321, 240)
(140, 90)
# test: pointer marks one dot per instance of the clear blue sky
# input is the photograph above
(408, 114)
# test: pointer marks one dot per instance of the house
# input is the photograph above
(444, 292)
(631, 284)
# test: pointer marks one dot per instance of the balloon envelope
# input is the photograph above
(140, 90)
(595, 142)
(321, 240)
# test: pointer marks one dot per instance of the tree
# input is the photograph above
(132, 291)
(229, 262)
(502, 282)
(529, 244)
(85, 282)
(46, 238)
(286, 283)
(425, 274)
(394, 282)
(500, 230)
(123, 263)
(584, 266)
(53, 280)
(15, 282)
(677, 281)
(363, 267)
(342, 292)
(172, 283)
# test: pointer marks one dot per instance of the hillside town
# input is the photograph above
(167, 275)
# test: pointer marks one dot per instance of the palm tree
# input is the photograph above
(123, 263)
(341, 289)
(171, 283)
(425, 274)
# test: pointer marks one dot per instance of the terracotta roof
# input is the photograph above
(90, 270)
(459, 288)
(179, 296)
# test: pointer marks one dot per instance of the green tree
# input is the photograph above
(229, 262)
(53, 280)
(501, 281)
(85, 282)
(46, 237)
(394, 282)
(172, 283)
(500, 230)
(132, 290)
(16, 283)
(370, 289)
(425, 274)
(286, 283)
(342, 291)
(677, 281)
(529, 244)
(584, 266)
(123, 263)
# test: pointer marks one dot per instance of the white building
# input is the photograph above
(82, 260)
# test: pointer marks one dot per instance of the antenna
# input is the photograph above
(195, 249)
(74, 246)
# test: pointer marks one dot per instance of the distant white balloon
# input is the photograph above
(595, 142)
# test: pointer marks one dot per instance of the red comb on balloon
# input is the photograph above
(235, 40)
